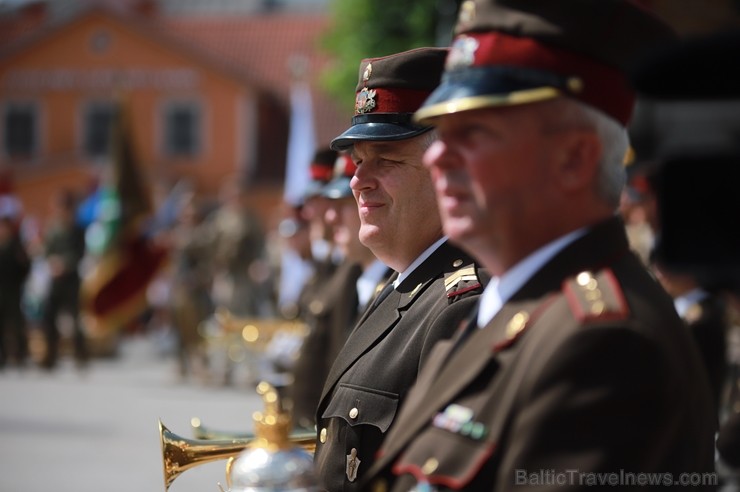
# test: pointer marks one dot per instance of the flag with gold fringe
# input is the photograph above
(125, 260)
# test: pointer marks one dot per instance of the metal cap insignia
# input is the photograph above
(365, 101)
(462, 53)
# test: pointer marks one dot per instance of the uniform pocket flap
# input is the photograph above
(359, 405)
(441, 457)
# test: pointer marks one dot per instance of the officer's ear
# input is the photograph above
(579, 151)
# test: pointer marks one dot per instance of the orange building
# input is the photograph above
(209, 97)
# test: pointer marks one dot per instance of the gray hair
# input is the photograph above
(614, 141)
(427, 139)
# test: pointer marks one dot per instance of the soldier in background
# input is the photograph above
(191, 280)
(15, 265)
(690, 122)
(309, 258)
(334, 309)
(239, 262)
(706, 315)
(64, 249)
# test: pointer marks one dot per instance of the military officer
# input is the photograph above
(577, 370)
(307, 261)
(434, 286)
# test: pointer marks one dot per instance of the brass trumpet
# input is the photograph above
(202, 432)
(180, 454)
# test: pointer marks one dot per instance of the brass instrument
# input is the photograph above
(256, 333)
(205, 433)
(241, 343)
(271, 432)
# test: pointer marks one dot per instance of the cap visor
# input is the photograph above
(313, 188)
(376, 131)
(338, 188)
(477, 88)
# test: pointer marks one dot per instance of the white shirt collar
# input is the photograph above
(369, 280)
(500, 289)
(418, 261)
(685, 301)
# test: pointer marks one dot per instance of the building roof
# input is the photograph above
(263, 46)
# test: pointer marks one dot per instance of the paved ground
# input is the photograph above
(94, 431)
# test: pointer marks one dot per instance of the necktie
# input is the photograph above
(383, 294)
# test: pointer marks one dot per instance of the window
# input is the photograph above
(98, 129)
(181, 129)
(20, 130)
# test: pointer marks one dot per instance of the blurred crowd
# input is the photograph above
(222, 270)
(233, 302)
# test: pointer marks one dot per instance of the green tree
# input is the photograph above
(372, 28)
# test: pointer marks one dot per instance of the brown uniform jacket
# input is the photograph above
(577, 374)
(381, 358)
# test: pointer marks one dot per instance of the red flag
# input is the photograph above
(114, 291)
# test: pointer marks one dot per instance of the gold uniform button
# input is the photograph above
(322, 435)
(517, 324)
(584, 279)
(353, 413)
(316, 307)
(430, 466)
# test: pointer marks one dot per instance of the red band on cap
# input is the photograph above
(349, 166)
(395, 100)
(320, 172)
(603, 86)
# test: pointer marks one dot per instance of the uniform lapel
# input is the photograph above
(454, 372)
(375, 301)
(376, 322)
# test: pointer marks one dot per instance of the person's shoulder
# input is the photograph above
(596, 296)
(466, 279)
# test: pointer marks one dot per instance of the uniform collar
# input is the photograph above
(418, 261)
(500, 289)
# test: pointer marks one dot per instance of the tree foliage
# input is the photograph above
(372, 28)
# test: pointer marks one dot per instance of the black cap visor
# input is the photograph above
(337, 188)
(313, 189)
(482, 87)
(379, 126)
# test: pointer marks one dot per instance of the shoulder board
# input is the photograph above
(463, 280)
(596, 296)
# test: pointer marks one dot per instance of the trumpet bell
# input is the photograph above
(180, 454)
(271, 460)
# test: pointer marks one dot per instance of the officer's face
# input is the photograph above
(395, 198)
(490, 172)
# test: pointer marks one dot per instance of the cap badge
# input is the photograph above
(462, 53)
(365, 102)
